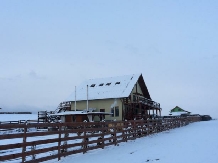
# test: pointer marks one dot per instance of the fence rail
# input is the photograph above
(19, 122)
(63, 139)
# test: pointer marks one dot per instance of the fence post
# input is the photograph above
(133, 127)
(103, 133)
(164, 124)
(168, 124)
(33, 148)
(66, 135)
(155, 126)
(145, 127)
(179, 122)
(141, 129)
(24, 144)
(115, 133)
(124, 131)
(150, 126)
(85, 140)
(161, 125)
(59, 142)
(171, 123)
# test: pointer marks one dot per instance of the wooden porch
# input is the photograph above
(140, 107)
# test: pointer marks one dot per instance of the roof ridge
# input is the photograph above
(114, 76)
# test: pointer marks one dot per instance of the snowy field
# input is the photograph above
(16, 117)
(195, 143)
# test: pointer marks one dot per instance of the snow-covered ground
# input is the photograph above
(195, 143)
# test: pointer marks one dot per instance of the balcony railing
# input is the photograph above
(141, 99)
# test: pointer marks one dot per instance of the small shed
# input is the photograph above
(179, 110)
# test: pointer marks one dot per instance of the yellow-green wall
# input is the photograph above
(106, 104)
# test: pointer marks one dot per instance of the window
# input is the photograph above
(115, 111)
(101, 84)
(117, 83)
(93, 85)
(102, 117)
(134, 98)
(112, 112)
(108, 84)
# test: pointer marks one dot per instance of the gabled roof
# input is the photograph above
(106, 88)
(178, 109)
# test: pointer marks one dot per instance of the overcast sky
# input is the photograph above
(49, 47)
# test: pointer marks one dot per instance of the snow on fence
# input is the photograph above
(29, 144)
(15, 122)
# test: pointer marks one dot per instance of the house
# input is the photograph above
(125, 97)
(177, 111)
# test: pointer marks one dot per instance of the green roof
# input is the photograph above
(178, 109)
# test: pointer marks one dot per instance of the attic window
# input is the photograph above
(108, 84)
(93, 85)
(117, 83)
(101, 84)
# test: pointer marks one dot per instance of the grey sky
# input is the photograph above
(48, 47)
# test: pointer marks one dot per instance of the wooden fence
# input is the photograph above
(19, 122)
(62, 139)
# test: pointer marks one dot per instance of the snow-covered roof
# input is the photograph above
(105, 88)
